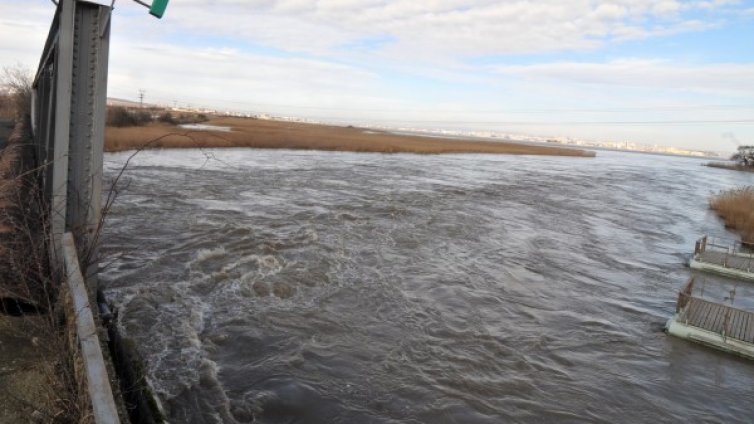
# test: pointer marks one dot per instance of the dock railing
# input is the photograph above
(88, 349)
(68, 110)
(685, 295)
(724, 252)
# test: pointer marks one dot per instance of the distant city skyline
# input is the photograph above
(675, 73)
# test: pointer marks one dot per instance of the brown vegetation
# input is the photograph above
(265, 134)
(38, 379)
(7, 109)
(736, 208)
(732, 166)
(15, 91)
(118, 116)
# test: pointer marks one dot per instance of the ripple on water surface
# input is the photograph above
(311, 287)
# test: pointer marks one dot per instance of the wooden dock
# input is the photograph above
(712, 323)
(726, 258)
(718, 318)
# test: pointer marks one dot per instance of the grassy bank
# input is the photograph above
(289, 135)
(736, 208)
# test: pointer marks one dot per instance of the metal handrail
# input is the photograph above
(101, 394)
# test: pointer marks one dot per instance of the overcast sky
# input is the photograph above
(677, 73)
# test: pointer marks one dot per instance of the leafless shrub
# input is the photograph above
(16, 83)
(167, 118)
(119, 116)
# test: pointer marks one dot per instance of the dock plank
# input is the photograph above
(725, 321)
(700, 312)
(719, 316)
(741, 334)
(731, 329)
(745, 326)
(692, 311)
(711, 319)
(704, 312)
(742, 322)
(738, 323)
(735, 325)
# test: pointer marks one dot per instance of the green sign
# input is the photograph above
(158, 8)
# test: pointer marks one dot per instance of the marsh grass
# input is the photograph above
(736, 208)
(267, 134)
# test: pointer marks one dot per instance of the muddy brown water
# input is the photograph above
(274, 286)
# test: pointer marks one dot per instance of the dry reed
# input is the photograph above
(268, 134)
(736, 208)
(40, 383)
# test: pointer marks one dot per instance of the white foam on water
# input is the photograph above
(204, 254)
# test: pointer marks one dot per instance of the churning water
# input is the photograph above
(274, 286)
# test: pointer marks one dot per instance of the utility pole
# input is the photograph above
(141, 98)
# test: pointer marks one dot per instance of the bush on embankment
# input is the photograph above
(120, 117)
(736, 208)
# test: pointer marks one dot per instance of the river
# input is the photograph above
(275, 286)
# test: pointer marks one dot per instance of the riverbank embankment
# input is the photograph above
(46, 365)
(28, 387)
(731, 166)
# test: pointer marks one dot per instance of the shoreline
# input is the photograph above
(268, 134)
(729, 166)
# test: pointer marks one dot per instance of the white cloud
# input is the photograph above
(236, 80)
(667, 7)
(713, 4)
(451, 27)
(728, 79)
(22, 35)
(407, 57)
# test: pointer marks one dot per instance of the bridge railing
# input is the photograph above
(68, 124)
(88, 350)
(68, 128)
